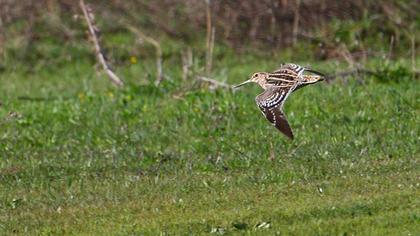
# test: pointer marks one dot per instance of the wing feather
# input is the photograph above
(287, 74)
(270, 103)
(291, 67)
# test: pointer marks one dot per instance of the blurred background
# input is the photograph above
(53, 31)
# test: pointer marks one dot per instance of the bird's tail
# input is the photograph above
(312, 78)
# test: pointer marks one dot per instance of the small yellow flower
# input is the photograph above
(110, 94)
(81, 96)
(133, 60)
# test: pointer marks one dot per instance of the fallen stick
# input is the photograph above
(93, 30)
(214, 83)
(350, 73)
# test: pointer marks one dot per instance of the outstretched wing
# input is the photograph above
(270, 103)
(287, 74)
(296, 69)
(291, 68)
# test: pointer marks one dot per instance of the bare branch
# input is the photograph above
(187, 61)
(209, 63)
(93, 30)
(391, 47)
(346, 54)
(215, 84)
(350, 73)
(413, 56)
(362, 72)
(209, 38)
(296, 22)
(156, 45)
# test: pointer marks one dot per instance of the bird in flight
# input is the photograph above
(277, 86)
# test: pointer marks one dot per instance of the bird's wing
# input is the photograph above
(290, 67)
(287, 74)
(270, 103)
(296, 69)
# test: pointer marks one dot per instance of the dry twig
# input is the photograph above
(93, 30)
(296, 22)
(187, 61)
(350, 73)
(391, 47)
(209, 39)
(156, 45)
(214, 83)
(413, 56)
(346, 54)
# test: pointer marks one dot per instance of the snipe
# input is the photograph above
(277, 86)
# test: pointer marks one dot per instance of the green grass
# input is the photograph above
(79, 157)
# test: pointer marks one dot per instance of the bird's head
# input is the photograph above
(259, 78)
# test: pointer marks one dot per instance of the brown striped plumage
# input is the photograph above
(277, 86)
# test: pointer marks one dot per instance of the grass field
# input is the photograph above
(80, 157)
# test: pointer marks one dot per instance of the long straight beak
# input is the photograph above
(239, 85)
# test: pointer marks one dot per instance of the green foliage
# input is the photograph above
(80, 157)
(393, 72)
